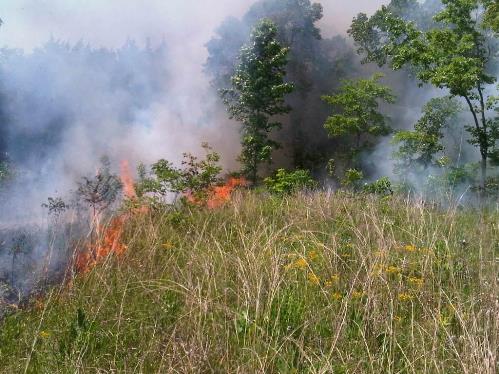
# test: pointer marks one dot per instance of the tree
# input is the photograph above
(315, 66)
(257, 95)
(419, 147)
(454, 55)
(100, 191)
(359, 101)
(492, 14)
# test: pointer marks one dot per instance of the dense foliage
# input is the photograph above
(455, 54)
(258, 95)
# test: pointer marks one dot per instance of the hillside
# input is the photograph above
(319, 282)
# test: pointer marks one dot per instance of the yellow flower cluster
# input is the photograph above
(418, 282)
(410, 248)
(337, 296)
(357, 294)
(404, 296)
(332, 280)
(314, 279)
(312, 255)
(301, 263)
(392, 270)
(168, 245)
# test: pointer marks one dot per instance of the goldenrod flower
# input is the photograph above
(336, 296)
(44, 334)
(418, 282)
(335, 278)
(410, 248)
(357, 294)
(405, 297)
(397, 319)
(392, 270)
(168, 245)
(312, 255)
(301, 263)
(314, 279)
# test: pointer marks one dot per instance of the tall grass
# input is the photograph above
(312, 283)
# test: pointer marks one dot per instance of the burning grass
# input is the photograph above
(307, 283)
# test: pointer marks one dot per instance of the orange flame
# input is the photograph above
(109, 241)
(217, 196)
(127, 180)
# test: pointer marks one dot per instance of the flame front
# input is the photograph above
(110, 236)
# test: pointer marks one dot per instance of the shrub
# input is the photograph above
(352, 179)
(382, 186)
(196, 177)
(287, 182)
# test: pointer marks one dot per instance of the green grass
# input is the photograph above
(318, 283)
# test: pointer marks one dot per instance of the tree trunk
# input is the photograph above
(483, 179)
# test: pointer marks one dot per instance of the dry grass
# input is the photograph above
(319, 283)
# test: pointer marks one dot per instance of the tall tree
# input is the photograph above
(358, 101)
(454, 55)
(257, 95)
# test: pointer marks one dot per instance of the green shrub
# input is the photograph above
(382, 186)
(195, 177)
(352, 179)
(286, 182)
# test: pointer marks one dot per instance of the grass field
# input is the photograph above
(311, 283)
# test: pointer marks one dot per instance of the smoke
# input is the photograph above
(128, 79)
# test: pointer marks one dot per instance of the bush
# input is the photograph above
(352, 179)
(195, 178)
(382, 186)
(286, 182)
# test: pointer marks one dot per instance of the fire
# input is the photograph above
(109, 236)
(127, 180)
(222, 194)
(217, 195)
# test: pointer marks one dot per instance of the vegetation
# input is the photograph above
(360, 117)
(257, 96)
(195, 177)
(303, 283)
(420, 147)
(100, 191)
(183, 270)
(455, 55)
(286, 182)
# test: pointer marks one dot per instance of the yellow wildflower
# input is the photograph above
(357, 294)
(397, 319)
(44, 334)
(392, 270)
(335, 278)
(314, 279)
(337, 296)
(329, 283)
(410, 248)
(312, 255)
(168, 245)
(405, 296)
(301, 263)
(418, 282)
